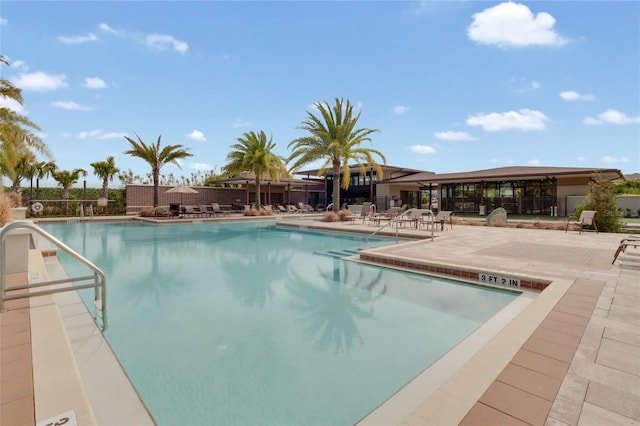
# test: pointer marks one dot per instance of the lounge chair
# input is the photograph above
(205, 210)
(175, 209)
(586, 219)
(441, 218)
(163, 212)
(624, 244)
(192, 211)
(216, 210)
(304, 208)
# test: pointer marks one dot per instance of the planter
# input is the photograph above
(19, 213)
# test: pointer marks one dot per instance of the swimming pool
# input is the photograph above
(246, 323)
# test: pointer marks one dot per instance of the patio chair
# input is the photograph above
(624, 244)
(216, 210)
(280, 208)
(174, 208)
(192, 211)
(587, 218)
(163, 212)
(441, 218)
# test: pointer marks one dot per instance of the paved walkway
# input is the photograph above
(572, 357)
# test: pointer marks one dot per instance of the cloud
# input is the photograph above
(40, 81)
(611, 116)
(422, 149)
(239, 123)
(107, 29)
(112, 135)
(400, 109)
(200, 166)
(11, 104)
(95, 83)
(3, 22)
(162, 42)
(80, 39)
(454, 136)
(197, 135)
(90, 134)
(570, 95)
(71, 106)
(511, 24)
(524, 119)
(581, 159)
(609, 159)
(534, 162)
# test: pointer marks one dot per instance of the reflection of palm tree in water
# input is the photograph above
(240, 275)
(329, 313)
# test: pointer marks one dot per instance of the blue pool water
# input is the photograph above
(246, 323)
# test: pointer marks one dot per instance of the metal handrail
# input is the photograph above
(98, 277)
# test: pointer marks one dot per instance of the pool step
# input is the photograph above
(340, 253)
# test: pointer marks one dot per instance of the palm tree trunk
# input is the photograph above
(156, 187)
(258, 191)
(336, 187)
(105, 188)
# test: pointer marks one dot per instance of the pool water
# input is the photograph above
(247, 323)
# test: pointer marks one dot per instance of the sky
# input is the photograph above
(450, 85)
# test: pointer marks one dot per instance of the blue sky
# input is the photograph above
(452, 86)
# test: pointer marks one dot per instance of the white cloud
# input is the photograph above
(609, 159)
(511, 24)
(524, 119)
(200, 166)
(40, 81)
(4, 22)
(71, 106)
(90, 134)
(400, 109)
(162, 42)
(95, 83)
(611, 116)
(11, 104)
(534, 162)
(535, 85)
(422, 149)
(78, 39)
(454, 136)
(197, 135)
(107, 29)
(112, 135)
(239, 123)
(581, 159)
(570, 95)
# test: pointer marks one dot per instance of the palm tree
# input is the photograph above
(105, 170)
(156, 157)
(335, 139)
(43, 169)
(67, 179)
(254, 153)
(18, 141)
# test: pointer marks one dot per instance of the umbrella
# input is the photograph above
(181, 189)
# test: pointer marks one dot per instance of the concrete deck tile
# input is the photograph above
(18, 412)
(540, 363)
(622, 336)
(482, 414)
(553, 350)
(530, 381)
(563, 327)
(573, 310)
(620, 356)
(613, 399)
(627, 300)
(564, 339)
(594, 415)
(568, 318)
(14, 353)
(606, 375)
(517, 403)
(17, 388)
(568, 404)
(624, 313)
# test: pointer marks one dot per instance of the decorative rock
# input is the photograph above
(497, 217)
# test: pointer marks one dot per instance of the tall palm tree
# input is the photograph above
(67, 179)
(157, 157)
(43, 169)
(254, 153)
(106, 170)
(17, 140)
(334, 138)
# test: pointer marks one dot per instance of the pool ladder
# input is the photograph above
(97, 280)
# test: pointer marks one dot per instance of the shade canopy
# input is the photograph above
(181, 189)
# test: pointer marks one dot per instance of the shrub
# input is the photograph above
(330, 217)
(250, 212)
(601, 198)
(5, 208)
(344, 214)
(147, 212)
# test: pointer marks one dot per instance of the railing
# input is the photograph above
(416, 214)
(98, 277)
